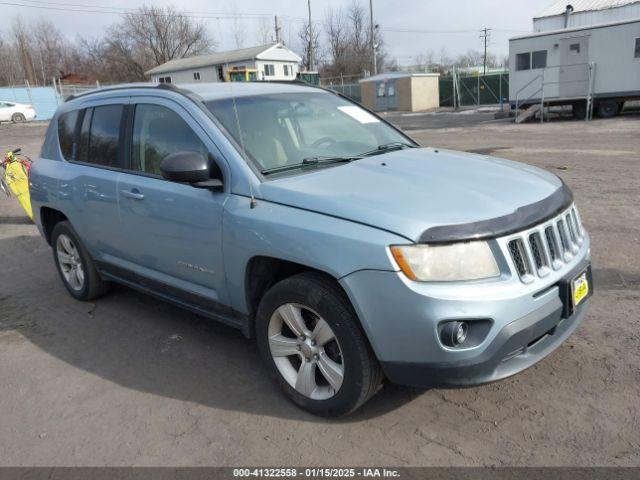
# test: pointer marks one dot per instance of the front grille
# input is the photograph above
(549, 246)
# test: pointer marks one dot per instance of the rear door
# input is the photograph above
(90, 178)
(173, 231)
(574, 70)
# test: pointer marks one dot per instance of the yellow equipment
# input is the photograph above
(16, 177)
(242, 74)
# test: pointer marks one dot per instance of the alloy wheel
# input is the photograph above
(306, 351)
(70, 262)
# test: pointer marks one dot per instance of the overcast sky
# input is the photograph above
(460, 19)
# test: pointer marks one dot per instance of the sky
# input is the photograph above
(410, 27)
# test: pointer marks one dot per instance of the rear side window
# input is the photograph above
(100, 135)
(66, 133)
(158, 132)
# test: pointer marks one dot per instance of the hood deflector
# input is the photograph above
(522, 219)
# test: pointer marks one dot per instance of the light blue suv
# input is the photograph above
(350, 253)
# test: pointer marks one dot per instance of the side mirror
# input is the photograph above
(189, 167)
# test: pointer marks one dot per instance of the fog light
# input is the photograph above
(454, 334)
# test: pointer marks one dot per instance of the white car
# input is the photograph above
(16, 112)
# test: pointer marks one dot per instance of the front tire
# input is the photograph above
(75, 266)
(310, 337)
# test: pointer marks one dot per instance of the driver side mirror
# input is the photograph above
(189, 167)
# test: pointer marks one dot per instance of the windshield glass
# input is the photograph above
(287, 129)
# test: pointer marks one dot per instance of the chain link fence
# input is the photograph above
(487, 89)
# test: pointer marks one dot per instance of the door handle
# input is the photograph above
(133, 194)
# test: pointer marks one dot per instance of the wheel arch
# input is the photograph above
(262, 272)
(49, 217)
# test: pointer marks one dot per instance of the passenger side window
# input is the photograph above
(158, 132)
(100, 136)
(66, 134)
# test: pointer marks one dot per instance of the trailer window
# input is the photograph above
(539, 59)
(523, 61)
(637, 49)
(574, 49)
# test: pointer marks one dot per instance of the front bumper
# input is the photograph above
(401, 320)
(517, 346)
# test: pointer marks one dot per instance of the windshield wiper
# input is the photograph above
(311, 161)
(388, 147)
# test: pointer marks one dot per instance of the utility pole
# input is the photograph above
(485, 38)
(278, 28)
(310, 60)
(373, 38)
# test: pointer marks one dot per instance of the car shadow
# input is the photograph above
(141, 343)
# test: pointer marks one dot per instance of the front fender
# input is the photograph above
(335, 246)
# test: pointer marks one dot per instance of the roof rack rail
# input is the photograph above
(126, 86)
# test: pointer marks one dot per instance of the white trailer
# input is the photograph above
(593, 69)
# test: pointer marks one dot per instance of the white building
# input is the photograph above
(264, 62)
(581, 13)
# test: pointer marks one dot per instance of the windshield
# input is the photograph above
(291, 129)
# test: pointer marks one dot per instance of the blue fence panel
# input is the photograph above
(44, 99)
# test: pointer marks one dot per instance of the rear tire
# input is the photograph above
(608, 109)
(343, 370)
(75, 266)
(18, 118)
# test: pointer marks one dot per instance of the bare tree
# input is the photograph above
(264, 31)
(349, 41)
(22, 42)
(158, 35)
(309, 39)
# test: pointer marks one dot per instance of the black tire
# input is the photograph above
(18, 118)
(580, 110)
(608, 109)
(92, 286)
(362, 373)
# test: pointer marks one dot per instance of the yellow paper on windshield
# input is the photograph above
(359, 114)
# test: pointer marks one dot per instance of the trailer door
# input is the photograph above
(574, 67)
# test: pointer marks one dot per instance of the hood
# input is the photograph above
(410, 191)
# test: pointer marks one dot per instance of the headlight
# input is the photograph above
(446, 263)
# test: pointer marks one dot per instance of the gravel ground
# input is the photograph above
(131, 381)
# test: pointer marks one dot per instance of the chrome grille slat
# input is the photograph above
(549, 246)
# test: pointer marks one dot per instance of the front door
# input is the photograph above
(574, 67)
(172, 231)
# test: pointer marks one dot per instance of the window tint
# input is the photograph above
(637, 49)
(523, 61)
(66, 133)
(158, 132)
(103, 136)
(539, 59)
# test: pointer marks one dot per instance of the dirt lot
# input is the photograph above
(130, 381)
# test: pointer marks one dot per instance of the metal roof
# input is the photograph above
(560, 6)
(573, 29)
(218, 58)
